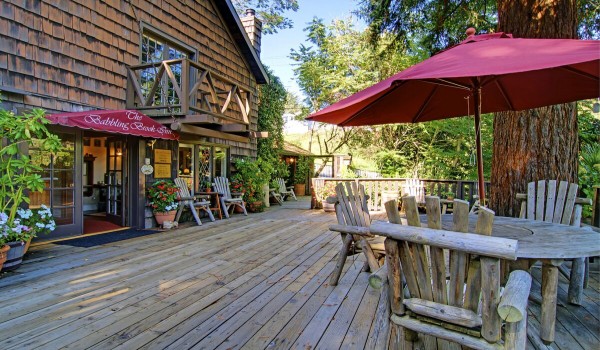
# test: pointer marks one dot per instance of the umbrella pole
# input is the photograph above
(480, 179)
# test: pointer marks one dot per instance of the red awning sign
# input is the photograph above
(127, 122)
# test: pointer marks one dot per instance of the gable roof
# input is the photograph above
(293, 150)
(235, 27)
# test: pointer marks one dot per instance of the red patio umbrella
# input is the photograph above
(483, 74)
(127, 122)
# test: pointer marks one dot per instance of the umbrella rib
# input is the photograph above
(577, 71)
(449, 83)
(503, 92)
(418, 116)
(393, 87)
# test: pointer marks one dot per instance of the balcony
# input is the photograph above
(190, 97)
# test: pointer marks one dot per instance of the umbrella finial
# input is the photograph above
(470, 32)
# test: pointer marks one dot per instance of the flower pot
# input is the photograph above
(14, 257)
(328, 207)
(3, 254)
(164, 216)
(255, 207)
(27, 244)
(238, 209)
(300, 189)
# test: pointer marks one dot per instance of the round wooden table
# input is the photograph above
(551, 244)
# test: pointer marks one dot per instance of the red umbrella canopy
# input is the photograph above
(127, 122)
(513, 74)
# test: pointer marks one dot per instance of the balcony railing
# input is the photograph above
(182, 87)
(378, 188)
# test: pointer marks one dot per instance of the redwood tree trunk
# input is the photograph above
(539, 143)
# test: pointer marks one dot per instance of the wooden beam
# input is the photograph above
(191, 119)
(196, 130)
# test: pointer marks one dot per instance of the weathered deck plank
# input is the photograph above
(251, 282)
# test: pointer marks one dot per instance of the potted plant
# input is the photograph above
(250, 178)
(162, 196)
(300, 176)
(19, 176)
(206, 185)
(328, 190)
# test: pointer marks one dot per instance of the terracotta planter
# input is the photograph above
(3, 254)
(27, 244)
(237, 209)
(300, 189)
(164, 216)
(14, 257)
(255, 207)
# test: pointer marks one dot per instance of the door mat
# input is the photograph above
(105, 238)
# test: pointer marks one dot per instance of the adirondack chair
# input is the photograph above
(435, 311)
(191, 202)
(415, 188)
(544, 203)
(228, 200)
(353, 220)
(285, 191)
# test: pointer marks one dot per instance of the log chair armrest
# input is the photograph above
(353, 230)
(513, 302)
(379, 277)
(290, 187)
(237, 194)
(187, 198)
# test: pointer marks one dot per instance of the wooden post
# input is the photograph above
(490, 290)
(394, 269)
(576, 281)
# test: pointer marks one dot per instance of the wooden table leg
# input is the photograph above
(549, 298)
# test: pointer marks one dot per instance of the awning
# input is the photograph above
(126, 122)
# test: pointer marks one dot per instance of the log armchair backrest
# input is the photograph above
(353, 219)
(285, 191)
(448, 310)
(547, 202)
(228, 200)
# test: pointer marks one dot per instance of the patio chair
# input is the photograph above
(285, 191)
(435, 278)
(228, 200)
(193, 203)
(544, 202)
(415, 188)
(353, 220)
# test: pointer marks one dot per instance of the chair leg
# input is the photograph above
(209, 212)
(586, 273)
(294, 195)
(224, 207)
(575, 293)
(195, 214)
(243, 206)
(335, 277)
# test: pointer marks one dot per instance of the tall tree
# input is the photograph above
(271, 12)
(540, 143)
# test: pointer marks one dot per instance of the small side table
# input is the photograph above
(215, 202)
(445, 203)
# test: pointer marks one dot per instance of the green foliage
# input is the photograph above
(270, 12)
(589, 151)
(302, 170)
(250, 176)
(426, 27)
(162, 195)
(18, 172)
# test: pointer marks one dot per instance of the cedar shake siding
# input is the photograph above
(72, 55)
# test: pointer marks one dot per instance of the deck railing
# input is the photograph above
(182, 87)
(380, 190)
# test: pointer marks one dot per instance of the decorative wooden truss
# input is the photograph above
(185, 89)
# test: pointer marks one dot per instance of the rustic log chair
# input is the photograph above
(545, 202)
(193, 203)
(449, 309)
(353, 220)
(284, 191)
(228, 199)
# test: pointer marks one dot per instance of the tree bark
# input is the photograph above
(540, 143)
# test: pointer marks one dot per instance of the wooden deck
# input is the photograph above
(252, 282)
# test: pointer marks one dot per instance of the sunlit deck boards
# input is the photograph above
(248, 282)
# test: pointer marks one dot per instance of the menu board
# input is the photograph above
(162, 171)
(162, 156)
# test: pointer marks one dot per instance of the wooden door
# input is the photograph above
(115, 180)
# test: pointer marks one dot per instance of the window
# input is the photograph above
(155, 49)
(212, 162)
(58, 173)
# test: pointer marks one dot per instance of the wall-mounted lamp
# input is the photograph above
(596, 107)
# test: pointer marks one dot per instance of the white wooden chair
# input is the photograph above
(545, 202)
(415, 188)
(193, 203)
(353, 221)
(436, 302)
(285, 191)
(228, 199)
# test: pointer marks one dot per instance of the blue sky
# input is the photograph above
(275, 48)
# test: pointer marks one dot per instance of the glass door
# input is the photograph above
(114, 180)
